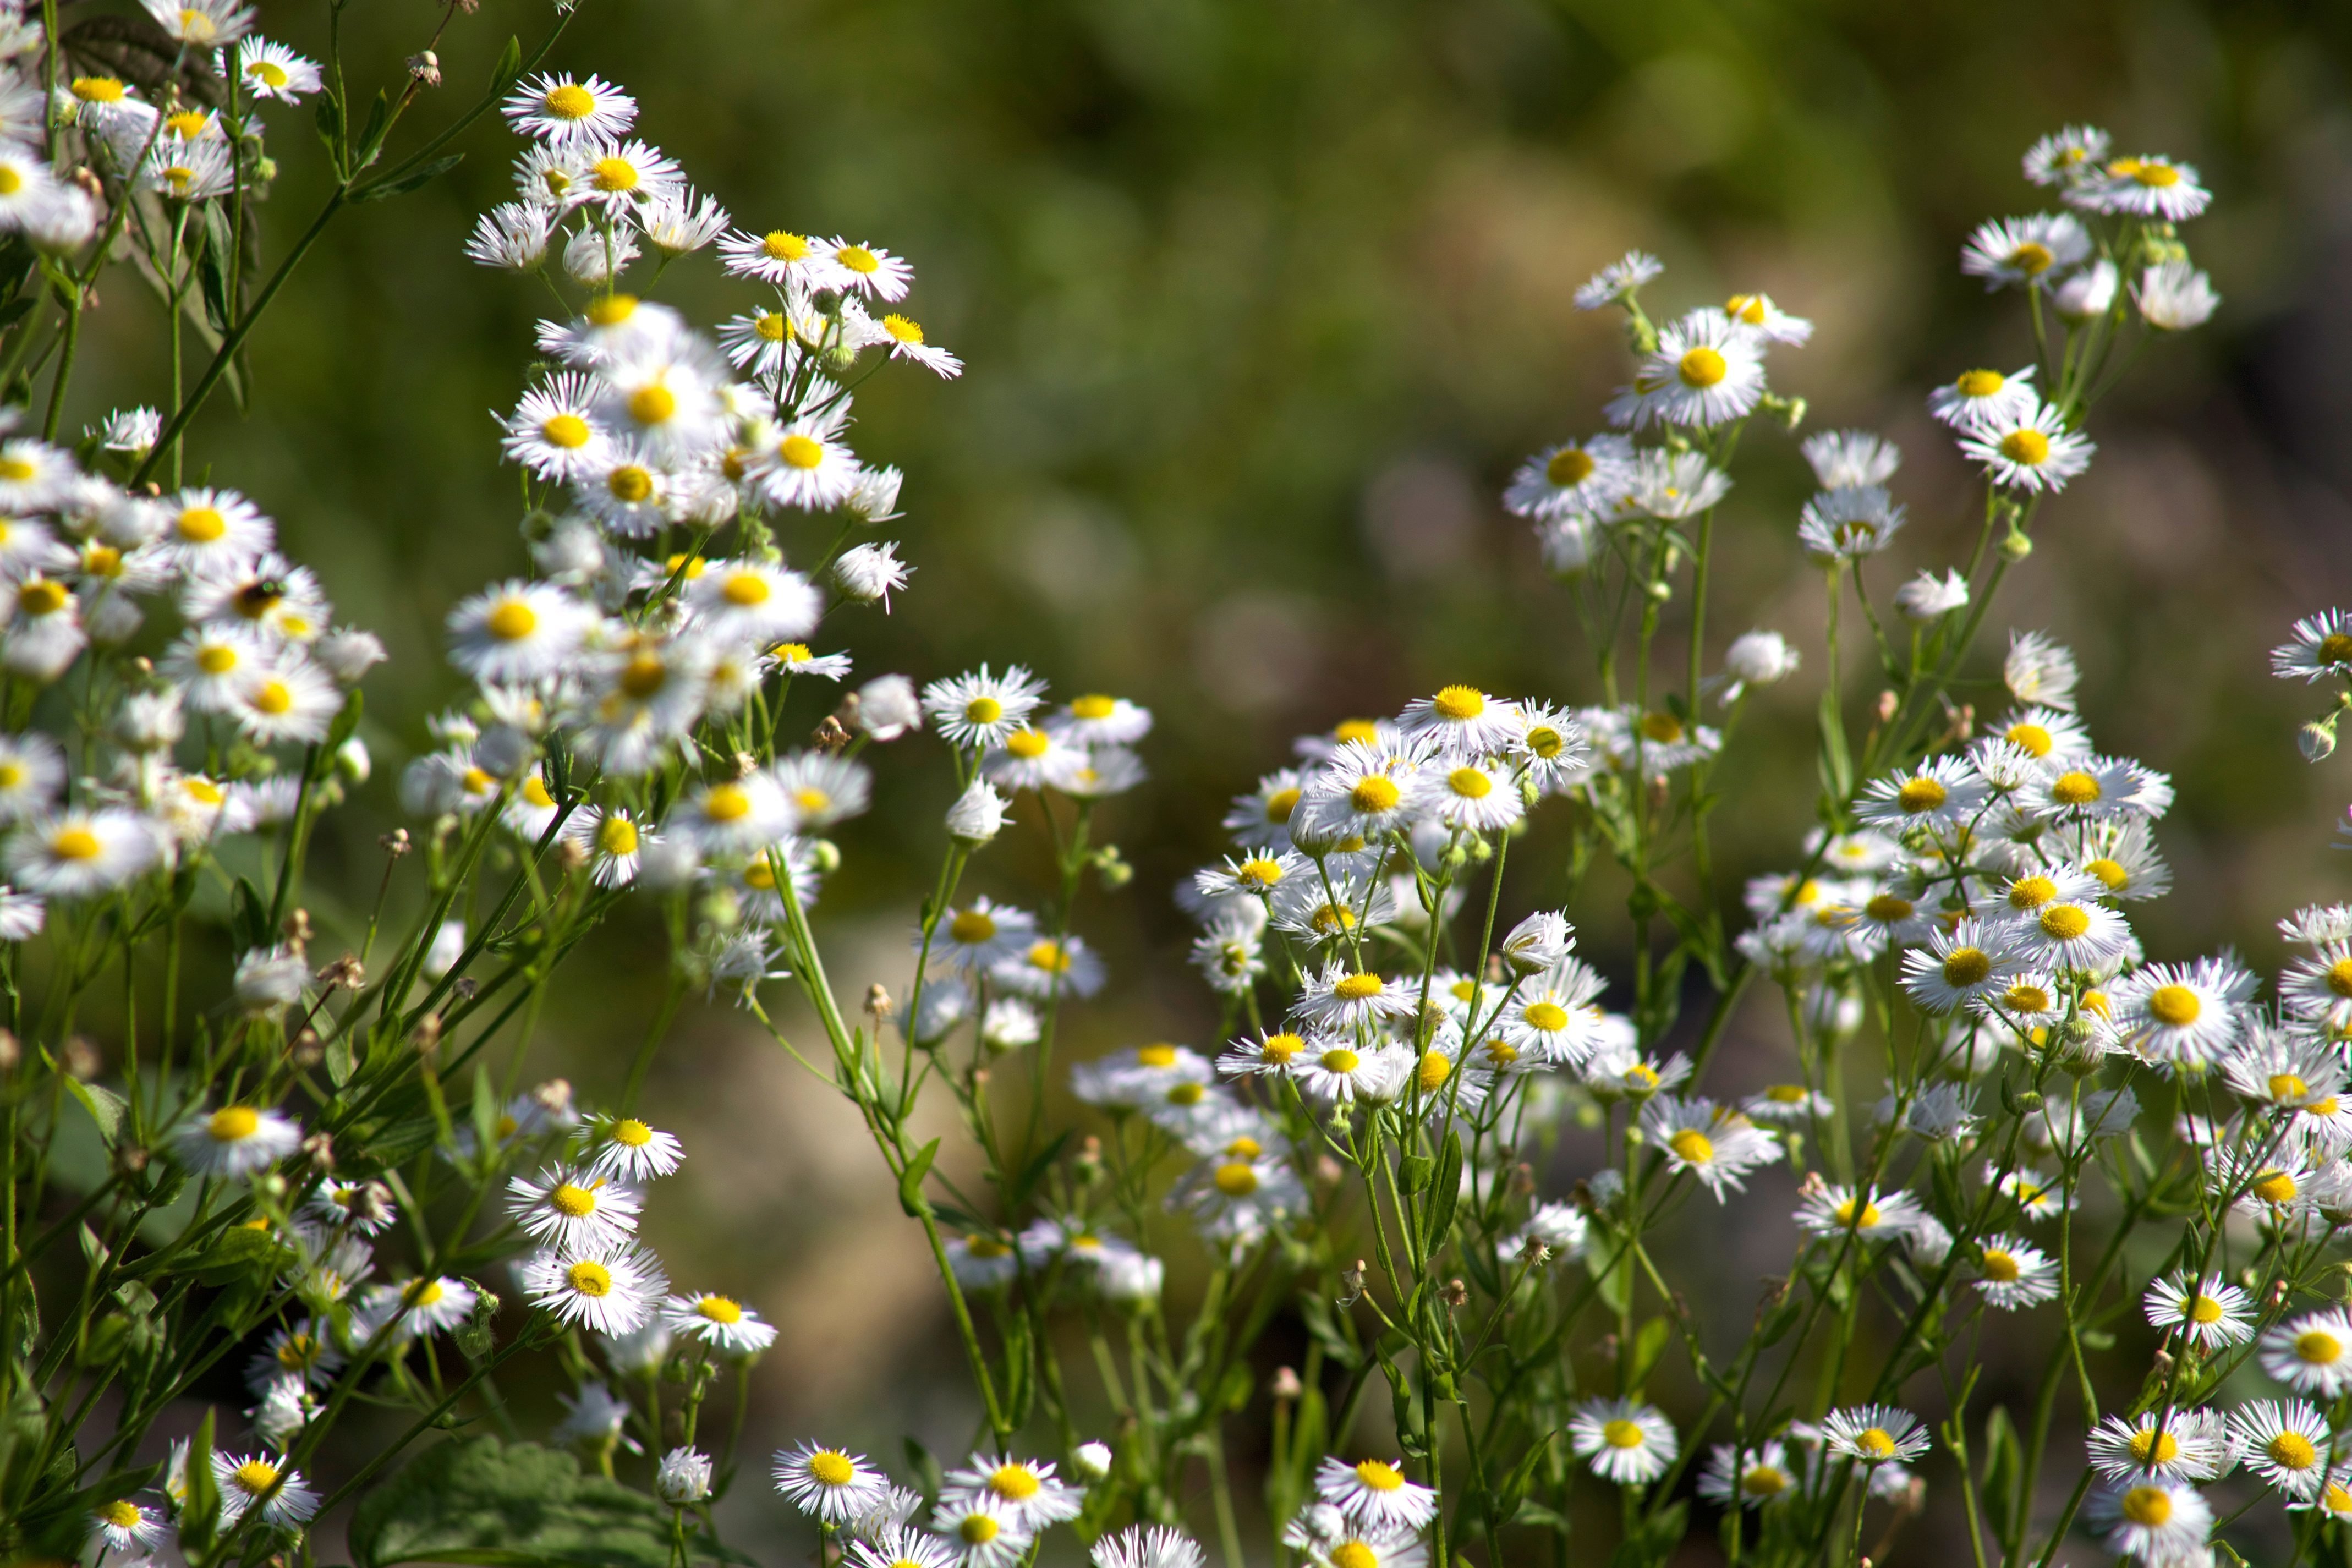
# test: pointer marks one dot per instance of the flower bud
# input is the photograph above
(684, 1478)
(1760, 659)
(2317, 739)
(977, 816)
(1092, 1460)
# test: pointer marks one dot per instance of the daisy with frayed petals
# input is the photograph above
(1624, 1440)
(1374, 1493)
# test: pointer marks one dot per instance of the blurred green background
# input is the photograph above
(1261, 302)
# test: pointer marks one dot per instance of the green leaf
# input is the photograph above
(199, 1517)
(234, 1254)
(1649, 1344)
(510, 66)
(248, 920)
(1234, 1391)
(1415, 1171)
(384, 190)
(379, 123)
(1317, 1313)
(1445, 1193)
(340, 1065)
(928, 1475)
(1513, 1492)
(2004, 1461)
(911, 1180)
(480, 1500)
(1837, 766)
(105, 1106)
(1035, 1171)
(1536, 1514)
(1612, 1276)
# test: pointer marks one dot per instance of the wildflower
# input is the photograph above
(1339, 998)
(271, 70)
(830, 1483)
(2031, 449)
(1835, 1210)
(1625, 1441)
(1618, 280)
(610, 1286)
(983, 1535)
(2147, 187)
(247, 1482)
(415, 1309)
(1051, 966)
(1374, 1494)
(2155, 1521)
(2066, 157)
(1875, 1435)
(719, 1321)
(518, 631)
(1146, 1546)
(2011, 1274)
(573, 1209)
(1928, 597)
(2311, 1353)
(1705, 371)
(1024, 1493)
(2025, 250)
(1944, 793)
(1714, 1143)
(1847, 524)
(125, 1526)
(1751, 1478)
(1759, 658)
(982, 710)
(1575, 476)
(864, 269)
(1341, 1074)
(683, 1478)
(2286, 1442)
(235, 1142)
(2173, 297)
(1980, 397)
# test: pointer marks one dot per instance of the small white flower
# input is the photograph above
(1625, 1441)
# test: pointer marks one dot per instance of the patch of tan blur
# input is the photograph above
(784, 1201)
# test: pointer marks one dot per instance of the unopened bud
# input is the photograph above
(396, 843)
(2015, 546)
(2317, 739)
(11, 1053)
(878, 1004)
(570, 855)
(307, 1052)
(320, 1149)
(1456, 1293)
(130, 1160)
(428, 1037)
(82, 1059)
(554, 1096)
(1887, 705)
(426, 67)
(1285, 1383)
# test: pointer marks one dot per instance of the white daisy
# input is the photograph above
(1625, 1441)
(721, 1321)
(980, 709)
(864, 269)
(235, 1141)
(2032, 450)
(2025, 250)
(272, 70)
(2208, 1312)
(611, 1288)
(573, 1210)
(76, 853)
(2286, 1442)
(832, 1484)
(1875, 1435)
(1374, 1494)
(1705, 371)
(2311, 1353)
(2159, 1522)
(260, 1480)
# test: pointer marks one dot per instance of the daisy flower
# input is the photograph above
(982, 1534)
(1374, 1494)
(2311, 1353)
(1751, 1478)
(1035, 759)
(1099, 720)
(2151, 187)
(798, 658)
(1024, 1493)
(1960, 967)
(1461, 720)
(233, 1142)
(1875, 1435)
(611, 1287)
(1979, 397)
(778, 257)
(2318, 989)
(1341, 998)
(2174, 297)
(2094, 788)
(2171, 1444)
(1766, 321)
(832, 1484)
(2210, 1313)
(2155, 1521)
(1364, 792)
(1842, 459)
(2038, 671)
(32, 768)
(1847, 524)
(719, 1321)
(1474, 797)
(1835, 1210)
(820, 789)
(1705, 371)
(2071, 933)
(1618, 279)
(2037, 1196)
(554, 430)
(201, 24)
(2065, 156)
(2012, 1275)
(286, 697)
(271, 70)
(1339, 1075)
(2182, 1013)
(210, 527)
(981, 1260)
(2025, 250)
(518, 631)
(573, 1210)
(2319, 646)
(2031, 450)
(982, 709)
(1049, 966)
(512, 236)
(1943, 794)
(259, 1480)
(1786, 1105)
(126, 1527)
(1574, 477)
(1625, 1441)
(1713, 1142)
(2286, 1442)
(1269, 1055)
(865, 270)
(415, 1309)
(906, 340)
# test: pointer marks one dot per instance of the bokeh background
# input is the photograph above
(1261, 302)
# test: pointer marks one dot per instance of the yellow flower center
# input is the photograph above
(2032, 739)
(1349, 730)
(1702, 367)
(577, 1203)
(2339, 977)
(1694, 1147)
(1434, 1069)
(2335, 647)
(1050, 957)
(1980, 382)
(1546, 741)
(613, 310)
(1260, 872)
(2279, 1188)
(1359, 987)
(75, 843)
(1855, 1216)
(511, 621)
(188, 124)
(217, 658)
(1621, 1434)
(2204, 1310)
(1455, 704)
(234, 1123)
(1786, 1093)
(903, 330)
(1966, 966)
(1664, 728)
(782, 246)
(859, 259)
(1764, 1480)
(617, 836)
(614, 173)
(2024, 998)
(1014, 1483)
(2032, 258)
(1470, 783)
(971, 926)
(1549, 1017)
(1374, 793)
(589, 1277)
(654, 404)
(41, 598)
(2178, 1006)
(2109, 872)
(1187, 1093)
(719, 1309)
(985, 1247)
(98, 90)
(2064, 922)
(2292, 1450)
(1342, 1061)
(1093, 707)
(630, 483)
(1358, 1554)
(2149, 1506)
(1999, 1267)
(1279, 1049)
(832, 1468)
(121, 1514)
(2030, 448)
(1236, 1179)
(2155, 174)
(727, 803)
(570, 101)
(255, 1477)
(1921, 794)
(1887, 908)
(1379, 1477)
(1028, 744)
(2074, 788)
(1568, 465)
(1875, 1443)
